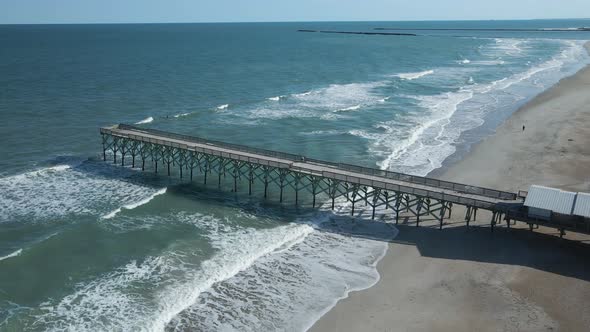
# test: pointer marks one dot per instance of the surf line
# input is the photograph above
(14, 254)
(132, 206)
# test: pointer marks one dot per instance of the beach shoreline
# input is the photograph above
(465, 279)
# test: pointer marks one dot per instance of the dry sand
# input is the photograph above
(463, 279)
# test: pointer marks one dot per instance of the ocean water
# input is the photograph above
(89, 246)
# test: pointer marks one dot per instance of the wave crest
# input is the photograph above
(416, 75)
(132, 206)
(146, 120)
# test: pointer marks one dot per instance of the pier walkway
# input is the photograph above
(399, 192)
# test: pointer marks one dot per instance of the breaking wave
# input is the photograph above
(13, 254)
(276, 98)
(146, 120)
(132, 206)
(348, 109)
(85, 189)
(413, 76)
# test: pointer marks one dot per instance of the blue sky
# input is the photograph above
(135, 11)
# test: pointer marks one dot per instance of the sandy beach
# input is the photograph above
(463, 279)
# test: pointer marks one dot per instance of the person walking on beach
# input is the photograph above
(522, 127)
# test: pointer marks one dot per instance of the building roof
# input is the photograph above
(556, 200)
(582, 206)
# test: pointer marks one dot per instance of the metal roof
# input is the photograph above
(556, 200)
(582, 206)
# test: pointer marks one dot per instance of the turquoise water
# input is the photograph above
(85, 245)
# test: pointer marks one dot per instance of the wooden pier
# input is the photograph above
(397, 192)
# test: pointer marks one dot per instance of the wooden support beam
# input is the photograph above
(468, 215)
(398, 198)
(250, 179)
(418, 209)
(493, 222)
(442, 215)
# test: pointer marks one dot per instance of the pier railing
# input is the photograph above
(458, 187)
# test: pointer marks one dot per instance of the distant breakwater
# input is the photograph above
(360, 32)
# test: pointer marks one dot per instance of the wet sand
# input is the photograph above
(467, 279)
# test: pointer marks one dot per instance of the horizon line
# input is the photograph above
(310, 21)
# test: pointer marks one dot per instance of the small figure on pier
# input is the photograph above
(522, 127)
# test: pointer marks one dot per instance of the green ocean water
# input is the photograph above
(87, 245)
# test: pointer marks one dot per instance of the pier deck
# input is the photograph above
(399, 192)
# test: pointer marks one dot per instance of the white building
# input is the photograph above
(543, 202)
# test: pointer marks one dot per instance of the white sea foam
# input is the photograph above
(489, 62)
(182, 115)
(85, 189)
(132, 206)
(364, 134)
(322, 132)
(276, 98)
(413, 76)
(303, 94)
(432, 130)
(280, 113)
(223, 107)
(319, 102)
(348, 109)
(14, 254)
(506, 47)
(338, 96)
(146, 120)
(330, 116)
